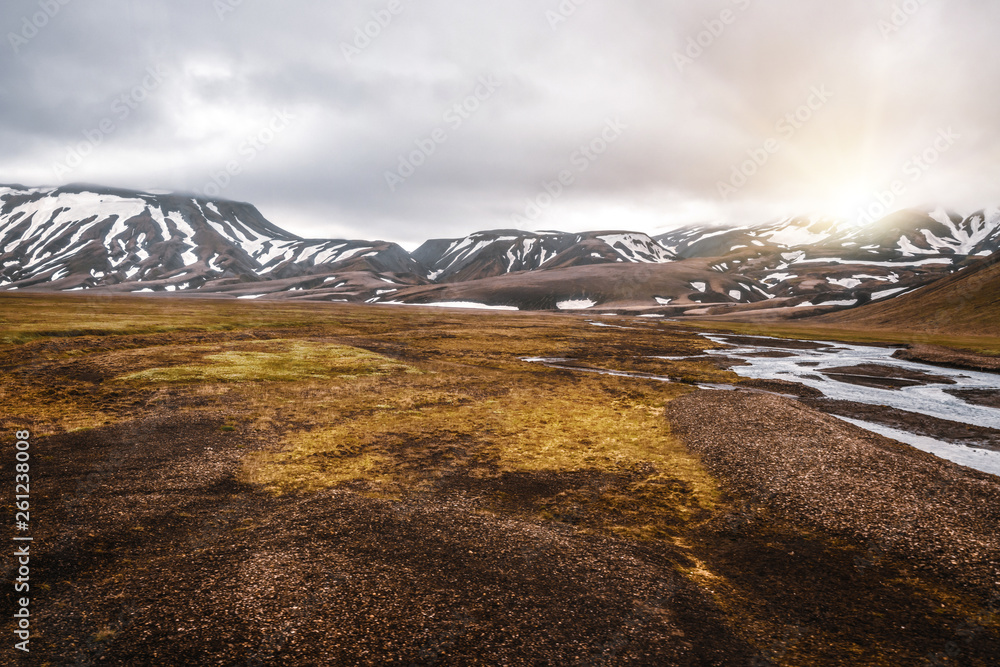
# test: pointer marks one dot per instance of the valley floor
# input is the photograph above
(297, 484)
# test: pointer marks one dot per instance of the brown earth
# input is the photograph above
(611, 286)
(964, 303)
(781, 387)
(988, 397)
(785, 343)
(442, 502)
(949, 358)
(820, 471)
(164, 558)
(883, 377)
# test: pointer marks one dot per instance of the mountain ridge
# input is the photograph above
(84, 237)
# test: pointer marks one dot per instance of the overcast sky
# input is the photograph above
(451, 117)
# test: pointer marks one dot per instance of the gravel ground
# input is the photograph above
(988, 397)
(157, 556)
(819, 471)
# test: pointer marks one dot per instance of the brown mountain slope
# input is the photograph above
(967, 303)
(689, 282)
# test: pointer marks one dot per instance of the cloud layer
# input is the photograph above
(405, 120)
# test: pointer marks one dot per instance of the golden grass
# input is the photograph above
(455, 397)
(597, 425)
(270, 361)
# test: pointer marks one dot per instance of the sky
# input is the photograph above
(404, 120)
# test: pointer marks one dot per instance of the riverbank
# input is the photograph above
(972, 352)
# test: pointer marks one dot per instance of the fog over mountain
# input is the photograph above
(407, 121)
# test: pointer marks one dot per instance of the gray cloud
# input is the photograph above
(691, 115)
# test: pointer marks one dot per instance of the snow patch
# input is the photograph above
(793, 236)
(849, 283)
(637, 248)
(576, 304)
(452, 304)
(884, 294)
(778, 278)
(852, 302)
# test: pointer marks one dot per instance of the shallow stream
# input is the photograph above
(824, 367)
(845, 372)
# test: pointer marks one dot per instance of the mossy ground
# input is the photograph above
(411, 406)
(383, 401)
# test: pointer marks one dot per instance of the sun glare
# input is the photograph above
(847, 204)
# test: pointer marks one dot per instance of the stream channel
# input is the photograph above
(943, 411)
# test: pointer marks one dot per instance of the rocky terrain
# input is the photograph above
(849, 481)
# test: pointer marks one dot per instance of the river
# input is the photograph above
(847, 372)
(812, 364)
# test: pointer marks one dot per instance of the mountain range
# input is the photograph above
(79, 237)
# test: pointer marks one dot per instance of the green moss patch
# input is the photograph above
(271, 361)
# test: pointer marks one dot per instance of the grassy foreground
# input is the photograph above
(385, 401)
(313, 409)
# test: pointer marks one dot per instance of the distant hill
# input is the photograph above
(965, 303)
(496, 253)
(83, 237)
(664, 287)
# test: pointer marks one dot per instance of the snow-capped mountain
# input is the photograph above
(937, 233)
(719, 241)
(79, 237)
(827, 261)
(902, 235)
(496, 253)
